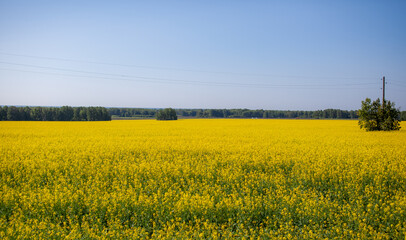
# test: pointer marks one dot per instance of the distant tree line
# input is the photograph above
(236, 113)
(65, 113)
(246, 113)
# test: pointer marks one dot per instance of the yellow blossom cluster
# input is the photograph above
(201, 179)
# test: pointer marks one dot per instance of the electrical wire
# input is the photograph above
(186, 70)
(178, 81)
(398, 85)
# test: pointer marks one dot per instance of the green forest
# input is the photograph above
(67, 113)
(118, 113)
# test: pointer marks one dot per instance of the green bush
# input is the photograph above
(376, 117)
(166, 114)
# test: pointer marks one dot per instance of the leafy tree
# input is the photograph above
(91, 114)
(83, 114)
(3, 113)
(166, 114)
(13, 114)
(376, 117)
(25, 113)
(51, 114)
(65, 113)
(37, 114)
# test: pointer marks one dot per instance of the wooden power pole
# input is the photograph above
(383, 90)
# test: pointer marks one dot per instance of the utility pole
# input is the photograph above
(383, 90)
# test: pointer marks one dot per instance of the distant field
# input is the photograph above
(195, 178)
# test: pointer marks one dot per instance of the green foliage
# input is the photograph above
(64, 113)
(376, 117)
(166, 114)
(235, 113)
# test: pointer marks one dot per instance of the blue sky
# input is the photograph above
(287, 55)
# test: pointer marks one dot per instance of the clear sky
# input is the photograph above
(285, 55)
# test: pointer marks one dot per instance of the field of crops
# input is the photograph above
(201, 179)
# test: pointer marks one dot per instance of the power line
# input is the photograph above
(184, 81)
(167, 79)
(176, 81)
(397, 84)
(185, 70)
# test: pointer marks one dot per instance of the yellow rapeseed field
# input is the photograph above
(201, 179)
